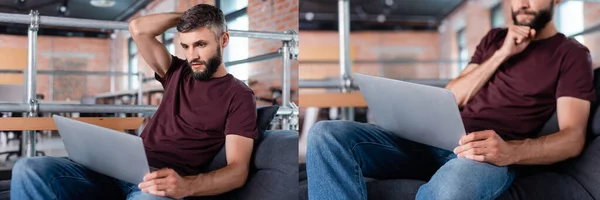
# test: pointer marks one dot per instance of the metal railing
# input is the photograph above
(333, 83)
(289, 50)
(115, 25)
(49, 107)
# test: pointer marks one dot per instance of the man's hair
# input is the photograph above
(203, 15)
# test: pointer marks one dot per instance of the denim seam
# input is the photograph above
(130, 188)
(357, 173)
(76, 178)
(357, 168)
(71, 177)
(499, 189)
(381, 145)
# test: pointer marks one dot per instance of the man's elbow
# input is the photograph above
(460, 98)
(577, 147)
(577, 150)
(134, 28)
(241, 178)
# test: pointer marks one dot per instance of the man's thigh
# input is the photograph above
(62, 178)
(384, 155)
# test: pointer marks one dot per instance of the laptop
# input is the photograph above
(106, 151)
(419, 113)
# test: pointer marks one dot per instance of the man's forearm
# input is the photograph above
(219, 181)
(547, 149)
(466, 86)
(155, 24)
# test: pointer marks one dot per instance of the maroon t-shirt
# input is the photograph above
(190, 125)
(521, 96)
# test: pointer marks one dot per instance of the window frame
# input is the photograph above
(130, 57)
(461, 46)
(230, 17)
(497, 8)
(166, 42)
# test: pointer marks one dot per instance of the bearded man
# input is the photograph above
(517, 78)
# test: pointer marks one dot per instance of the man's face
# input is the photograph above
(202, 51)
(533, 13)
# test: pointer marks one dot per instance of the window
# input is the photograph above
(167, 39)
(497, 16)
(236, 16)
(230, 6)
(463, 52)
(569, 18)
(133, 65)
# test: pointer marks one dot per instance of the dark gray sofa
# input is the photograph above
(578, 178)
(273, 171)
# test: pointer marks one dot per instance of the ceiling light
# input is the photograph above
(389, 2)
(310, 16)
(103, 3)
(380, 18)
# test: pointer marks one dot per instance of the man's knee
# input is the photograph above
(35, 166)
(325, 132)
(462, 169)
(462, 178)
(139, 195)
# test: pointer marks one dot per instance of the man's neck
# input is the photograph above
(221, 71)
(546, 32)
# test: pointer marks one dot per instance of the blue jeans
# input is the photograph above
(341, 153)
(61, 178)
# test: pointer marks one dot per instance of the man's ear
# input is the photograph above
(225, 39)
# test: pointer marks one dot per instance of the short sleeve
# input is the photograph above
(575, 78)
(176, 63)
(241, 119)
(482, 48)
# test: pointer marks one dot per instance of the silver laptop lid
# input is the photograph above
(113, 153)
(420, 113)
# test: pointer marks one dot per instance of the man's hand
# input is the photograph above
(166, 183)
(517, 39)
(486, 146)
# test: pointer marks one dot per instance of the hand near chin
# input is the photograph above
(517, 39)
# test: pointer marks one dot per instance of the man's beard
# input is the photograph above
(540, 19)
(212, 65)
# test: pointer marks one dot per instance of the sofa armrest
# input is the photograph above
(273, 170)
(586, 168)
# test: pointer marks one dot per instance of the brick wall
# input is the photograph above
(370, 46)
(475, 18)
(278, 16)
(592, 40)
(62, 53)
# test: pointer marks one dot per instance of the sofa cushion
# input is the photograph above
(275, 168)
(545, 185)
(594, 123)
(586, 168)
(393, 189)
(264, 116)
